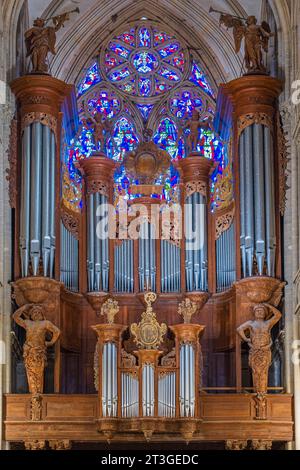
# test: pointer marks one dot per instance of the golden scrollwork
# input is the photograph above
(71, 192)
(169, 360)
(110, 309)
(195, 187)
(223, 188)
(254, 118)
(148, 334)
(283, 163)
(224, 222)
(43, 118)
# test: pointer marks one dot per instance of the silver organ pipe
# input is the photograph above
(69, 258)
(259, 206)
(187, 392)
(147, 258)
(225, 259)
(166, 394)
(130, 395)
(170, 267)
(124, 270)
(109, 380)
(37, 217)
(242, 202)
(98, 252)
(257, 200)
(270, 202)
(148, 390)
(196, 259)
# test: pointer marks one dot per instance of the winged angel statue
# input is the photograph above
(256, 39)
(41, 39)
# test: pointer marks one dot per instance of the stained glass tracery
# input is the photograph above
(145, 63)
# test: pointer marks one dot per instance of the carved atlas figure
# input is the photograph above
(256, 38)
(36, 343)
(41, 39)
(260, 342)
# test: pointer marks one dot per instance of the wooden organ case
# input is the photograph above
(180, 373)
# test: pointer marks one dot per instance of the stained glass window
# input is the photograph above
(151, 60)
(92, 77)
(165, 85)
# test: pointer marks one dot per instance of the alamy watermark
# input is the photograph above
(127, 220)
(296, 92)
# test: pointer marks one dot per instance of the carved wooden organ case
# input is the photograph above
(61, 263)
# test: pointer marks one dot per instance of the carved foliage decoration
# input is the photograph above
(43, 118)
(282, 164)
(195, 187)
(95, 186)
(12, 160)
(224, 222)
(127, 359)
(71, 221)
(71, 192)
(223, 188)
(254, 118)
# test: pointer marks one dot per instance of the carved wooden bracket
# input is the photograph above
(255, 118)
(224, 222)
(43, 118)
(71, 220)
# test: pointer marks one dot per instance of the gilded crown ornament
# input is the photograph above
(148, 334)
(110, 309)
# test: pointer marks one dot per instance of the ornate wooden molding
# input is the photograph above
(261, 289)
(96, 186)
(195, 187)
(63, 444)
(282, 164)
(224, 222)
(35, 445)
(235, 445)
(261, 445)
(255, 118)
(195, 169)
(43, 118)
(12, 160)
(71, 220)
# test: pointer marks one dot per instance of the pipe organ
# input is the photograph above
(150, 375)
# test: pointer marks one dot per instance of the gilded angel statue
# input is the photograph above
(256, 39)
(41, 39)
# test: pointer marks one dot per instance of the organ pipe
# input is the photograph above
(69, 259)
(124, 276)
(257, 200)
(147, 258)
(225, 259)
(37, 212)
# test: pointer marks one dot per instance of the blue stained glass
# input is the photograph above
(168, 50)
(198, 78)
(145, 86)
(144, 62)
(184, 103)
(105, 105)
(119, 75)
(160, 38)
(125, 139)
(92, 77)
(166, 137)
(145, 38)
(128, 38)
(120, 50)
(169, 74)
(129, 87)
(145, 110)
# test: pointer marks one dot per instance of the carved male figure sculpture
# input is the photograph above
(260, 342)
(195, 125)
(36, 343)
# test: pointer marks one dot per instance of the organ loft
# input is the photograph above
(148, 190)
